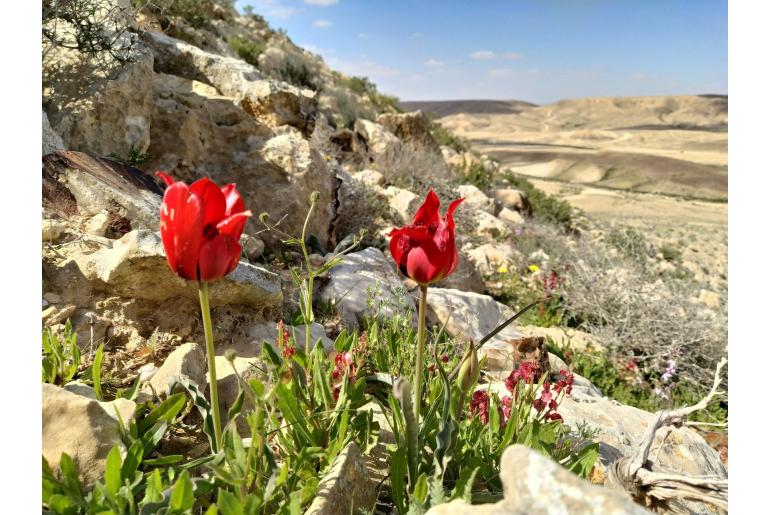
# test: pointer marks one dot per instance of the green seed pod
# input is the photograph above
(314, 197)
(230, 355)
(469, 369)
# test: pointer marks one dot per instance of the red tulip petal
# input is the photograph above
(427, 214)
(218, 257)
(212, 200)
(233, 225)
(165, 178)
(449, 216)
(181, 229)
(425, 265)
(233, 200)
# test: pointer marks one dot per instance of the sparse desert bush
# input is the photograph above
(295, 70)
(630, 242)
(348, 108)
(247, 49)
(197, 13)
(544, 206)
(447, 138)
(477, 175)
(670, 253)
(632, 311)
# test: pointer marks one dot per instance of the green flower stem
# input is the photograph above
(203, 292)
(420, 351)
(308, 314)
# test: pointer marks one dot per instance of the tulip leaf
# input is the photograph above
(96, 372)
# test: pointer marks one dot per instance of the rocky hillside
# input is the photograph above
(197, 90)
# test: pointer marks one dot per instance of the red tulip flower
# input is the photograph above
(200, 226)
(425, 250)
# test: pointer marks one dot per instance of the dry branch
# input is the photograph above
(634, 476)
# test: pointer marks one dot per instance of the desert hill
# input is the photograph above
(440, 108)
(673, 145)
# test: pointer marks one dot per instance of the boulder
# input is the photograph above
(492, 258)
(252, 246)
(100, 104)
(266, 166)
(403, 202)
(471, 316)
(187, 361)
(536, 485)
(465, 277)
(347, 487)
(511, 216)
(370, 177)
(51, 140)
(383, 146)
(513, 199)
(475, 199)
(82, 427)
(75, 182)
(53, 229)
(489, 226)
(355, 278)
(411, 128)
(271, 102)
(136, 267)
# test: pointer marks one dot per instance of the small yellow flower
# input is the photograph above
(502, 270)
(534, 268)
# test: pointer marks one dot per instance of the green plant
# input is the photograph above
(247, 49)
(294, 70)
(544, 206)
(477, 175)
(197, 13)
(445, 137)
(61, 356)
(670, 253)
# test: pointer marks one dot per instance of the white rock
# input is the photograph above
(475, 199)
(511, 216)
(490, 226)
(383, 146)
(513, 199)
(53, 229)
(357, 274)
(187, 361)
(370, 177)
(491, 257)
(51, 140)
(404, 202)
(98, 224)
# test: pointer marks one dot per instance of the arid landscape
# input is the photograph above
(658, 164)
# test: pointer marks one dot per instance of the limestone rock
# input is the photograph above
(709, 298)
(491, 257)
(79, 426)
(513, 199)
(136, 267)
(53, 229)
(346, 487)
(99, 105)
(511, 216)
(51, 140)
(411, 128)
(370, 177)
(490, 226)
(350, 281)
(99, 224)
(252, 246)
(78, 182)
(382, 145)
(473, 316)
(186, 361)
(475, 199)
(272, 102)
(404, 202)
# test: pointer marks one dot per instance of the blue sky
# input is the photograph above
(539, 50)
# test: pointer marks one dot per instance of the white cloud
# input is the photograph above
(512, 56)
(318, 50)
(364, 66)
(322, 3)
(322, 24)
(501, 72)
(434, 63)
(275, 9)
(483, 55)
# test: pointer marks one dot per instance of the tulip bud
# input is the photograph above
(469, 369)
(230, 355)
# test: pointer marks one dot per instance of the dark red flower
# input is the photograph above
(200, 226)
(480, 405)
(425, 250)
(528, 371)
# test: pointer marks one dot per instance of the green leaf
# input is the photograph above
(420, 490)
(212, 510)
(237, 406)
(154, 488)
(398, 471)
(96, 372)
(269, 354)
(112, 472)
(132, 461)
(584, 460)
(164, 460)
(166, 410)
(228, 503)
(464, 484)
(182, 497)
